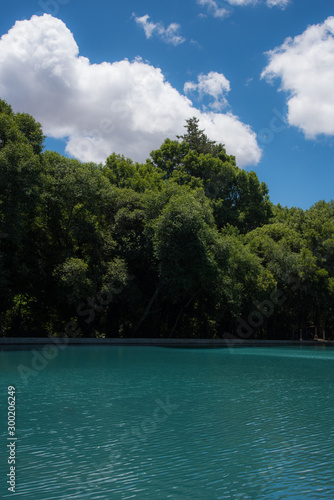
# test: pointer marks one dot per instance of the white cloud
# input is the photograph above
(305, 65)
(269, 3)
(222, 12)
(213, 84)
(168, 35)
(123, 107)
(213, 8)
(241, 3)
(277, 3)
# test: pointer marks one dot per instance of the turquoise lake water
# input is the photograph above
(150, 423)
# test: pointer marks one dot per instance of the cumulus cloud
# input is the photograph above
(213, 84)
(214, 8)
(123, 107)
(168, 35)
(305, 65)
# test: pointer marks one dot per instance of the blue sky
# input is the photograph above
(107, 76)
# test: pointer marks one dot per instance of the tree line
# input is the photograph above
(185, 245)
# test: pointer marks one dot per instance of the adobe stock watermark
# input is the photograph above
(131, 440)
(215, 186)
(262, 311)
(138, 435)
(272, 474)
(277, 124)
(120, 112)
(266, 135)
(50, 6)
(41, 358)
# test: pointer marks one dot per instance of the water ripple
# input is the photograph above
(148, 423)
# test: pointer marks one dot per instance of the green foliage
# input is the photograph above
(182, 239)
(32, 130)
(237, 197)
(116, 276)
(19, 127)
(186, 244)
(199, 142)
(5, 108)
(73, 280)
(123, 173)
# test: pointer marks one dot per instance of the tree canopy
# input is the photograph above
(186, 244)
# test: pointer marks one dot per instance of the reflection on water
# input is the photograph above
(149, 423)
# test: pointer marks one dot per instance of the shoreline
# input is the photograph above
(30, 342)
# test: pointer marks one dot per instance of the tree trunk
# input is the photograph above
(147, 309)
(179, 315)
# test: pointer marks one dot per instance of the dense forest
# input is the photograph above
(186, 245)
